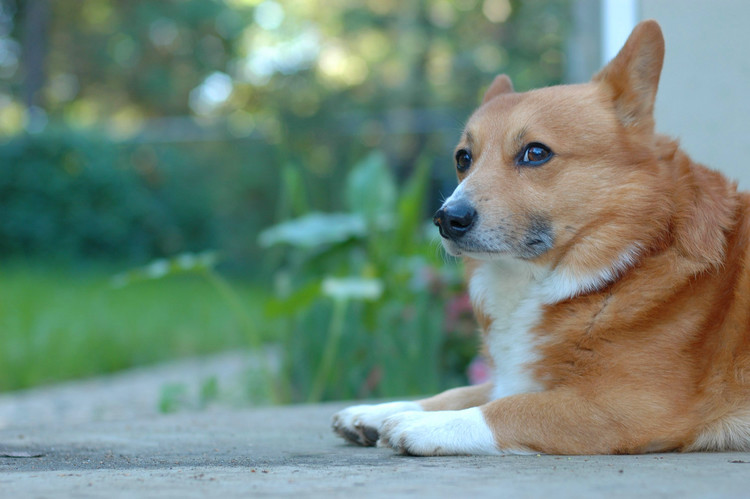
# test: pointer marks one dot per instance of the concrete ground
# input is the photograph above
(290, 451)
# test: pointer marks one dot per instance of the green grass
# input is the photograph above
(58, 324)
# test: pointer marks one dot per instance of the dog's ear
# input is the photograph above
(500, 85)
(632, 77)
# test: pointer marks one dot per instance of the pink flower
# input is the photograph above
(478, 371)
(457, 309)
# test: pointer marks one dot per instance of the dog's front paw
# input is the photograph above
(359, 424)
(438, 433)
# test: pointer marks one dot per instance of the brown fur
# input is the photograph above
(658, 359)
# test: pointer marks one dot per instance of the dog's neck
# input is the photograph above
(705, 209)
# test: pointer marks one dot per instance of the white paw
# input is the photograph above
(438, 433)
(360, 423)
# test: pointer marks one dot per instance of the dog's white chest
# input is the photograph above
(509, 293)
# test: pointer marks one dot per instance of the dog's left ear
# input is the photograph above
(500, 85)
(632, 77)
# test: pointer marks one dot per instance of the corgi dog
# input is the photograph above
(610, 275)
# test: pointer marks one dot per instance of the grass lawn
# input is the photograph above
(58, 324)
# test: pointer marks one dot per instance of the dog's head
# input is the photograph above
(569, 166)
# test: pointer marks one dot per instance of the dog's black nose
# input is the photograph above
(455, 219)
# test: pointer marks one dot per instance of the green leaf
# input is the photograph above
(371, 188)
(352, 288)
(298, 300)
(184, 263)
(410, 209)
(315, 229)
(293, 200)
(173, 397)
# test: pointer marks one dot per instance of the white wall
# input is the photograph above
(704, 93)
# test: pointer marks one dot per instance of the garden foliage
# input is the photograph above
(364, 293)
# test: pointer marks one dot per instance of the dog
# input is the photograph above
(609, 274)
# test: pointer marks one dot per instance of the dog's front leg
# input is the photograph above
(439, 433)
(559, 421)
(360, 424)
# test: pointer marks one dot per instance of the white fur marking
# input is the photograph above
(456, 195)
(562, 284)
(512, 293)
(439, 433)
(367, 415)
(730, 433)
(505, 291)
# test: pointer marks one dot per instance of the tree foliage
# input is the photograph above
(251, 90)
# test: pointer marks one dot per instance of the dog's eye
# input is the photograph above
(534, 154)
(463, 160)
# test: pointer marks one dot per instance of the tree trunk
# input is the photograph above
(35, 27)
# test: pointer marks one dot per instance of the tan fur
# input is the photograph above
(458, 398)
(659, 358)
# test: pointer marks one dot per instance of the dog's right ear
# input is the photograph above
(500, 85)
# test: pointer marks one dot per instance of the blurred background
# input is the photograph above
(186, 177)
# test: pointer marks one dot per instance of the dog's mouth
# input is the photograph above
(466, 248)
(528, 243)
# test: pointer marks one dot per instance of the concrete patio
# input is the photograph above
(290, 451)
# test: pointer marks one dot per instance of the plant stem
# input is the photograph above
(235, 303)
(329, 353)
